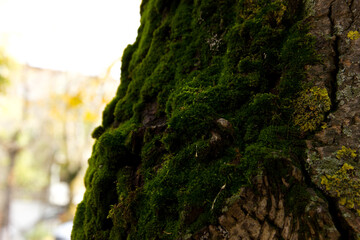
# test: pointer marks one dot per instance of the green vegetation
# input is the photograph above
(5, 64)
(161, 157)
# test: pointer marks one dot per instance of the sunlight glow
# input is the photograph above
(83, 36)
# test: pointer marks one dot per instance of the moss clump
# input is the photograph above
(161, 157)
(97, 132)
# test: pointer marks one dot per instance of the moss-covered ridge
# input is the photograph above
(206, 100)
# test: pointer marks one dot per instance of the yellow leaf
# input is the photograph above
(74, 101)
(90, 116)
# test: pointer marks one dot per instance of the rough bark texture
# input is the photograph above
(261, 214)
(339, 72)
(206, 137)
(331, 24)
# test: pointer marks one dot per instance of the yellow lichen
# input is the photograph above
(345, 186)
(353, 35)
(342, 201)
(346, 154)
(310, 108)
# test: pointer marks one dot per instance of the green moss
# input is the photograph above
(188, 123)
(296, 53)
(79, 221)
(97, 132)
(108, 113)
(194, 62)
(125, 71)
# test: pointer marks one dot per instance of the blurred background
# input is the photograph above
(59, 67)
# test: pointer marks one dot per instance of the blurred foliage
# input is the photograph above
(29, 174)
(47, 119)
(40, 232)
(5, 65)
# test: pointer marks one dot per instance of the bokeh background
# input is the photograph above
(59, 67)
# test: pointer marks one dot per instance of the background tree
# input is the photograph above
(47, 119)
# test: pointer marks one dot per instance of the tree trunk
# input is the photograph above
(233, 120)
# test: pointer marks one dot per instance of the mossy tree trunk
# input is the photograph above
(207, 135)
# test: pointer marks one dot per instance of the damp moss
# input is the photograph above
(162, 164)
(97, 132)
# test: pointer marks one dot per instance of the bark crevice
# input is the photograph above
(336, 59)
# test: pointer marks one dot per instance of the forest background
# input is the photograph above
(59, 67)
